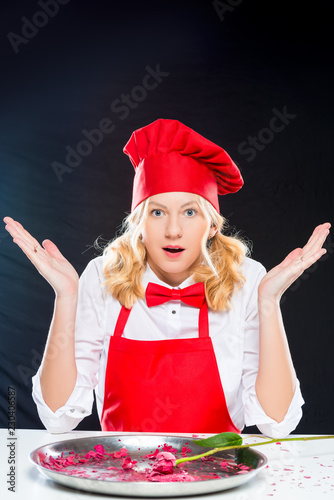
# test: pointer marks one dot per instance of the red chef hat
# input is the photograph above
(168, 156)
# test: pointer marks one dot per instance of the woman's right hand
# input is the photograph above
(47, 259)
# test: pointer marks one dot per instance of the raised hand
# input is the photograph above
(278, 279)
(47, 259)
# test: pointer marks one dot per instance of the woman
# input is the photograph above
(176, 328)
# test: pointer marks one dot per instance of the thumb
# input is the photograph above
(52, 249)
(291, 256)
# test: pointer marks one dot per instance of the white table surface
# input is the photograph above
(296, 470)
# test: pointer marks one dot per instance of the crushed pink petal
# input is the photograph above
(100, 449)
(181, 477)
(120, 454)
(152, 455)
(127, 463)
(169, 448)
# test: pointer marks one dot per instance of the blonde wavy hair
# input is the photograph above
(220, 271)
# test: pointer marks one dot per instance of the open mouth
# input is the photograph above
(173, 250)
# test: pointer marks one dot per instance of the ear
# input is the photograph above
(213, 231)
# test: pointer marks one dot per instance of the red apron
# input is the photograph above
(164, 385)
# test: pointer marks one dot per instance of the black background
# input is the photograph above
(227, 73)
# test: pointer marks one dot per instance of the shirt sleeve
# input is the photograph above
(89, 337)
(253, 412)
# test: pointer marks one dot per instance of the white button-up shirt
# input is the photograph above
(234, 334)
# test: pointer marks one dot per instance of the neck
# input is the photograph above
(173, 280)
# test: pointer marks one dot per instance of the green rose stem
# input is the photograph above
(215, 450)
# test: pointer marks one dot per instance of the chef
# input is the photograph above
(175, 327)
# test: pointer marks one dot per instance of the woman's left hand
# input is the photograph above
(278, 279)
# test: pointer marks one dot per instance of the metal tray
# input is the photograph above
(117, 482)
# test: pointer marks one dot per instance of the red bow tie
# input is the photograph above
(193, 295)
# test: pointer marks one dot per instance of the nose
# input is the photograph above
(173, 227)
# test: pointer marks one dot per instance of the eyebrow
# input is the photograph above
(164, 206)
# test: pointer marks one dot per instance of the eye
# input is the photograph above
(156, 212)
(190, 212)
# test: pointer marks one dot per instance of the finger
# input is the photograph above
(35, 255)
(298, 263)
(318, 231)
(315, 242)
(314, 238)
(16, 230)
(26, 241)
(28, 236)
(310, 259)
(11, 221)
(8, 219)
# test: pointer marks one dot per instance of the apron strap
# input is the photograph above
(121, 321)
(203, 321)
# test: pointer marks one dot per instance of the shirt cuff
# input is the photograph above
(67, 417)
(255, 415)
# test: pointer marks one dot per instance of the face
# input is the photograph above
(173, 234)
